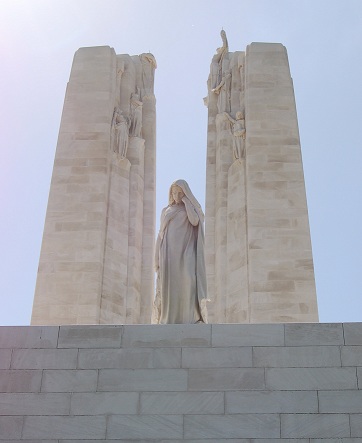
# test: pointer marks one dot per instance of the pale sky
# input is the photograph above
(38, 39)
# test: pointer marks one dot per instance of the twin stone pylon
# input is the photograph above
(258, 248)
(97, 251)
(96, 262)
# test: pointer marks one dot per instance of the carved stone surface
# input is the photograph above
(121, 130)
(96, 262)
(258, 249)
(238, 131)
(136, 116)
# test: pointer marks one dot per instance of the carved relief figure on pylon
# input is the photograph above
(120, 129)
(237, 127)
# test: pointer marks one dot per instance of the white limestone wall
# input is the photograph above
(237, 294)
(280, 269)
(258, 251)
(97, 255)
(210, 199)
(135, 233)
(114, 287)
(72, 253)
(291, 383)
(149, 207)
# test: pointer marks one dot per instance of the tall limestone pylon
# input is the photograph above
(96, 262)
(258, 248)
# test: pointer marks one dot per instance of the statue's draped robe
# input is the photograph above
(181, 275)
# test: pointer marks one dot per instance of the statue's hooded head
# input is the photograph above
(187, 191)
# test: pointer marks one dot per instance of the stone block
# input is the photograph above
(34, 404)
(242, 440)
(265, 47)
(340, 401)
(298, 356)
(313, 334)
(263, 402)
(167, 358)
(310, 378)
(64, 441)
(115, 358)
(98, 336)
(182, 403)
(353, 333)
(44, 359)
(34, 441)
(28, 337)
(59, 380)
(282, 440)
(102, 403)
(314, 425)
(142, 380)
(149, 427)
(234, 357)
(10, 427)
(285, 440)
(247, 335)
(225, 379)
(332, 440)
(351, 355)
(64, 427)
(232, 426)
(219, 440)
(356, 426)
(166, 335)
(20, 381)
(5, 358)
(123, 440)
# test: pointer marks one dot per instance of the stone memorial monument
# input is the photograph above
(97, 258)
(258, 249)
(96, 262)
(172, 383)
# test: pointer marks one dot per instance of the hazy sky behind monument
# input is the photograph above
(324, 42)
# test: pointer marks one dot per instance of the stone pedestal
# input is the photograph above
(173, 383)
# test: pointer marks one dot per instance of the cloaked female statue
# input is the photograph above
(179, 260)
